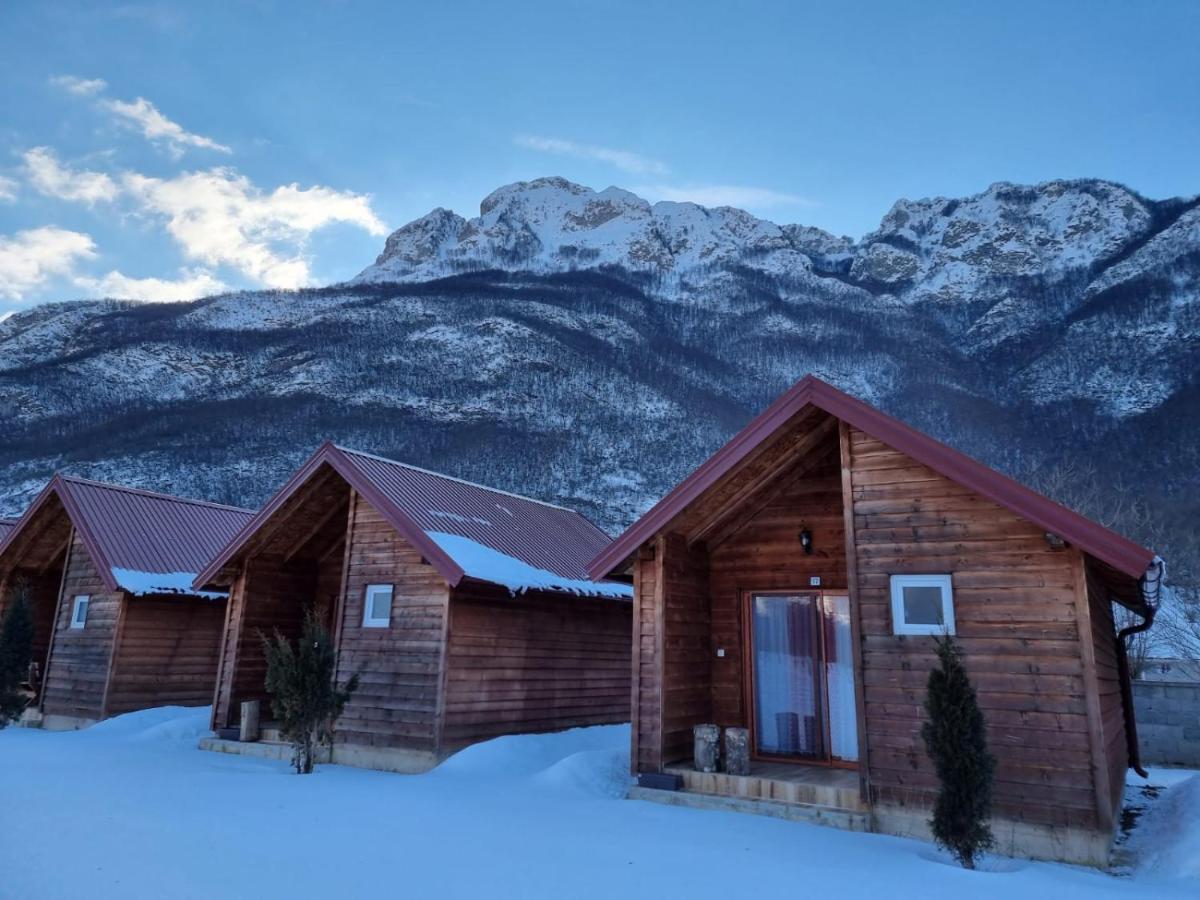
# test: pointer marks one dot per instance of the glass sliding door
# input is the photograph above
(787, 692)
(802, 679)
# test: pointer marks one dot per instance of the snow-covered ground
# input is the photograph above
(131, 809)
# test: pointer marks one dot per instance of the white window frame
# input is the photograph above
(369, 592)
(900, 582)
(84, 600)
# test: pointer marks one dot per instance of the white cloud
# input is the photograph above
(219, 217)
(190, 285)
(53, 179)
(8, 190)
(722, 195)
(141, 115)
(621, 159)
(144, 116)
(80, 87)
(29, 258)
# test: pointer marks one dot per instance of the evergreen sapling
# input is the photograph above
(304, 695)
(956, 740)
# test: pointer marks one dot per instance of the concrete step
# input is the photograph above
(259, 749)
(832, 816)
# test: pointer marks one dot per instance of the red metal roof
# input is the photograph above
(136, 530)
(1119, 552)
(419, 503)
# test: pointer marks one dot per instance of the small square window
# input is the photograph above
(79, 610)
(377, 606)
(922, 604)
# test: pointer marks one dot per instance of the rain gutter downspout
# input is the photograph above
(1151, 586)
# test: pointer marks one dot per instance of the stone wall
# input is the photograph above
(1168, 722)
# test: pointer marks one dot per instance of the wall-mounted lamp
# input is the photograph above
(806, 541)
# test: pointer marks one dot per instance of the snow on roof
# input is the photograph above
(486, 564)
(142, 584)
(549, 544)
(6, 525)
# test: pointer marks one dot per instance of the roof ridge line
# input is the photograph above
(475, 484)
(158, 495)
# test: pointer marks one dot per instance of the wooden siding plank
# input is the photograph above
(846, 471)
(166, 654)
(1017, 620)
(538, 661)
(401, 666)
(77, 664)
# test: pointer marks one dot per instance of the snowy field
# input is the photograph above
(131, 809)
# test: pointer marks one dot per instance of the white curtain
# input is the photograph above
(786, 691)
(839, 652)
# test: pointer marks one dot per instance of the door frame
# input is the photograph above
(748, 697)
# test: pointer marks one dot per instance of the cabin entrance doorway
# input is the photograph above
(801, 677)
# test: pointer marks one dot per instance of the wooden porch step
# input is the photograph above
(817, 786)
(846, 819)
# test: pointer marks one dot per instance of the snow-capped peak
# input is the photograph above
(936, 248)
(551, 224)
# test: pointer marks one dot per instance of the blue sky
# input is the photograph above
(166, 151)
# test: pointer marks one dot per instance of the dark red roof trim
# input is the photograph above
(1119, 552)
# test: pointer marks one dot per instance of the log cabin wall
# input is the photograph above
(1016, 620)
(399, 667)
(1111, 709)
(166, 653)
(766, 556)
(79, 658)
(533, 662)
(684, 615)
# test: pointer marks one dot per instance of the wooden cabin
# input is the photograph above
(793, 586)
(464, 610)
(117, 625)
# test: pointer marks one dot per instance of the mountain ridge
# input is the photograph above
(589, 348)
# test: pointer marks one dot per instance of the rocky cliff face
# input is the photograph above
(591, 348)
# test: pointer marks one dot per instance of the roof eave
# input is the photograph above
(336, 458)
(1117, 551)
(83, 527)
(58, 486)
(659, 515)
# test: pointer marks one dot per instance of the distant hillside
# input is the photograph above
(591, 348)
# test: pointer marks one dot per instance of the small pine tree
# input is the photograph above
(304, 696)
(16, 653)
(956, 740)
